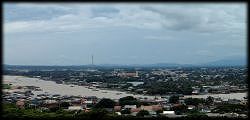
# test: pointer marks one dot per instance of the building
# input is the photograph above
(126, 74)
(72, 108)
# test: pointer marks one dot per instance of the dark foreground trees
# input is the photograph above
(11, 112)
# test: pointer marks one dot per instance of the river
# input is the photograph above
(53, 88)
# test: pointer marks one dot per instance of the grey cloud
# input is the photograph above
(104, 11)
(198, 19)
(21, 13)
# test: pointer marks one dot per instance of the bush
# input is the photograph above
(126, 111)
(142, 113)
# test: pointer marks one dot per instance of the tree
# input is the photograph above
(209, 100)
(196, 114)
(64, 105)
(105, 103)
(174, 99)
(125, 111)
(129, 100)
(180, 109)
(142, 113)
(193, 101)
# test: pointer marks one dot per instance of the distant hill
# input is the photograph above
(233, 61)
(228, 62)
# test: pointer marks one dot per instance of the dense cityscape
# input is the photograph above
(167, 87)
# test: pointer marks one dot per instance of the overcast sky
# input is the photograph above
(144, 33)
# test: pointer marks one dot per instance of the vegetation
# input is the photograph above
(142, 113)
(6, 86)
(125, 111)
(196, 114)
(180, 87)
(194, 101)
(228, 108)
(105, 103)
(11, 112)
(173, 99)
(129, 100)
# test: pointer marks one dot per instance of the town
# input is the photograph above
(168, 85)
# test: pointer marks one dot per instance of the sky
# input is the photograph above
(123, 33)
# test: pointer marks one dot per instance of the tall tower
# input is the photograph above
(92, 60)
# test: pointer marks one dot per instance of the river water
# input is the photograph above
(53, 88)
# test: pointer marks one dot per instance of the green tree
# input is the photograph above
(64, 105)
(209, 100)
(179, 109)
(129, 100)
(193, 101)
(174, 99)
(142, 113)
(105, 103)
(125, 111)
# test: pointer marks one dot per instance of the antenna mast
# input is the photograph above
(92, 60)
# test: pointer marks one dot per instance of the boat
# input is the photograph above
(38, 89)
(90, 87)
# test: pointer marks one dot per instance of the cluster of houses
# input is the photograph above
(220, 89)
(23, 97)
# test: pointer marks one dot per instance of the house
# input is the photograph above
(87, 104)
(76, 102)
(151, 107)
(156, 107)
(191, 107)
(181, 101)
(20, 104)
(129, 106)
(109, 109)
(231, 115)
(117, 108)
(123, 74)
(152, 113)
(135, 110)
(118, 113)
(50, 103)
(195, 92)
(213, 114)
(171, 114)
(168, 113)
(224, 101)
(167, 106)
(234, 101)
(243, 102)
(206, 110)
(72, 108)
(217, 100)
(134, 113)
